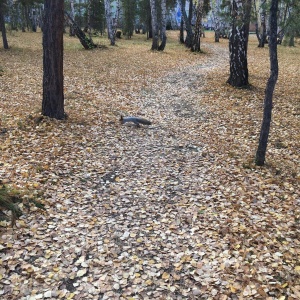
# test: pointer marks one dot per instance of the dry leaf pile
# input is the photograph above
(176, 210)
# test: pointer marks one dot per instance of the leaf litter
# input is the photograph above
(176, 210)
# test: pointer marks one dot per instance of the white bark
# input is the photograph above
(108, 16)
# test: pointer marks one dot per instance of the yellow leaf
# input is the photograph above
(297, 269)
(232, 289)
(55, 269)
(70, 296)
(137, 275)
(284, 285)
(165, 275)
(148, 282)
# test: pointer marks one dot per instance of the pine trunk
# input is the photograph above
(53, 96)
(266, 123)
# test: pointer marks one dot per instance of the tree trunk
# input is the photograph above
(149, 23)
(263, 32)
(181, 32)
(265, 127)
(196, 39)
(2, 26)
(188, 25)
(53, 96)
(163, 26)
(85, 41)
(72, 15)
(238, 43)
(155, 35)
(292, 40)
(108, 16)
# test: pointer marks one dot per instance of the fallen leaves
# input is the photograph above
(174, 211)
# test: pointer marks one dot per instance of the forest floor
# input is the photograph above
(175, 210)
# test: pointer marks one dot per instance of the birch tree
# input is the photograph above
(195, 47)
(158, 29)
(108, 16)
(72, 15)
(238, 42)
(260, 26)
(187, 23)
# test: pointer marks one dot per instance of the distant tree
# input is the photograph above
(238, 42)
(2, 24)
(261, 26)
(144, 16)
(202, 8)
(109, 25)
(265, 127)
(292, 24)
(216, 19)
(187, 21)
(85, 41)
(72, 15)
(53, 28)
(129, 12)
(97, 16)
(195, 46)
(158, 24)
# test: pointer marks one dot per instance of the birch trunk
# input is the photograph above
(155, 36)
(238, 43)
(72, 14)
(163, 26)
(108, 16)
(196, 39)
(188, 26)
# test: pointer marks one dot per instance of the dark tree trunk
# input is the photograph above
(190, 17)
(53, 96)
(85, 41)
(238, 43)
(150, 34)
(265, 127)
(2, 27)
(217, 35)
(292, 40)
(181, 33)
